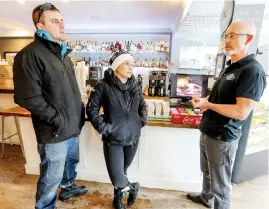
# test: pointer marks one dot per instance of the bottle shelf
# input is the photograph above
(109, 52)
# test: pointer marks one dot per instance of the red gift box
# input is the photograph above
(179, 118)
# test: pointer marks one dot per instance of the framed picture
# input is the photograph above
(220, 64)
(9, 56)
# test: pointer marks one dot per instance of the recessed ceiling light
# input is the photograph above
(21, 1)
(94, 18)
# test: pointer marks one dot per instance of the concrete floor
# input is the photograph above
(17, 191)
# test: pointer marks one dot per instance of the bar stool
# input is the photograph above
(6, 113)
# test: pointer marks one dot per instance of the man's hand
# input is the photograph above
(201, 103)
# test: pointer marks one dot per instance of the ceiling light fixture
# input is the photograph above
(21, 1)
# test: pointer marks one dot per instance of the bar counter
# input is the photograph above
(167, 157)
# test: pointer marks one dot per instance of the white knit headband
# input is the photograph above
(120, 59)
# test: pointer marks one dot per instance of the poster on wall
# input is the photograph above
(9, 57)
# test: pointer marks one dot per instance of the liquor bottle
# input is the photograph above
(161, 47)
(112, 46)
(142, 46)
(146, 63)
(137, 63)
(153, 64)
(139, 46)
(125, 45)
(133, 47)
(99, 62)
(166, 47)
(128, 47)
(142, 63)
(76, 46)
(166, 63)
(149, 63)
(107, 46)
(157, 47)
(151, 47)
(117, 45)
(146, 47)
(160, 63)
(122, 45)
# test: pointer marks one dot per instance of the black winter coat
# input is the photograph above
(46, 85)
(122, 121)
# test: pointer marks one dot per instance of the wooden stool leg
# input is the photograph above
(3, 136)
(19, 134)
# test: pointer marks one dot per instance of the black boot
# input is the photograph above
(195, 197)
(134, 187)
(72, 191)
(117, 201)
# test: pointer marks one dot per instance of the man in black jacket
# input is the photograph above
(45, 84)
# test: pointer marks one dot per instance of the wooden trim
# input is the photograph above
(6, 91)
(160, 98)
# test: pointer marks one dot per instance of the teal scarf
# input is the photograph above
(45, 35)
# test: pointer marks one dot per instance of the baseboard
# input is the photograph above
(148, 182)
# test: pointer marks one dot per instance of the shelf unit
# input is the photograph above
(157, 98)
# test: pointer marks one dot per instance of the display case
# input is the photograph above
(258, 136)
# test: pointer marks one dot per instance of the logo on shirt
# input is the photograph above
(230, 77)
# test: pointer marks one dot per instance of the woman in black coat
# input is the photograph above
(124, 116)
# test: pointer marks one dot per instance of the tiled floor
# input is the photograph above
(17, 191)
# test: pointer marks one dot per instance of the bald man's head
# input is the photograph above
(238, 37)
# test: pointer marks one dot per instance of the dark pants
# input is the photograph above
(118, 159)
(217, 159)
(57, 169)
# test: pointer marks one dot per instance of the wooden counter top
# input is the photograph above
(21, 112)
(15, 111)
(169, 124)
(6, 91)
(156, 97)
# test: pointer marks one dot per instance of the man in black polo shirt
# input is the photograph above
(234, 95)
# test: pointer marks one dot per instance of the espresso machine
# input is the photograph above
(95, 74)
(140, 81)
(153, 78)
(161, 83)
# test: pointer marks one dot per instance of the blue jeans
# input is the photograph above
(57, 169)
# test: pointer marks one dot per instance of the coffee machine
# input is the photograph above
(153, 78)
(161, 83)
(140, 81)
(95, 74)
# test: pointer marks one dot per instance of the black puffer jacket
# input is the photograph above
(46, 85)
(124, 112)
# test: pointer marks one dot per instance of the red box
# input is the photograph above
(177, 117)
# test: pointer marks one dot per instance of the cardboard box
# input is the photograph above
(179, 118)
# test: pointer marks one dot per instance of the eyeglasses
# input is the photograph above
(234, 35)
(45, 7)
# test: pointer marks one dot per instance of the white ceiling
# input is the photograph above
(96, 16)
(200, 25)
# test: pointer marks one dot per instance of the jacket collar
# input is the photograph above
(54, 47)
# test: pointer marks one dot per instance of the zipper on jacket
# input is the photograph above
(129, 105)
(116, 97)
